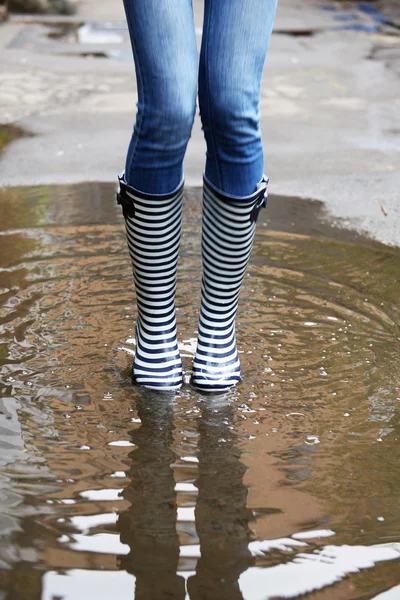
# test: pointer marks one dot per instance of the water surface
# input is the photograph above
(288, 486)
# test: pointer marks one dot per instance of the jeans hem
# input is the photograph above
(144, 195)
(223, 195)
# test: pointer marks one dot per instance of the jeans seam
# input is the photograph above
(209, 95)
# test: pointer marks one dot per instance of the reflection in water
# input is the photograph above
(221, 514)
(308, 442)
(149, 525)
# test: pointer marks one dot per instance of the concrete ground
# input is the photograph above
(330, 107)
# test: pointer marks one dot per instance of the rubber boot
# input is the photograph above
(229, 226)
(153, 230)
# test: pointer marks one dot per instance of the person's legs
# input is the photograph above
(166, 60)
(236, 35)
(235, 41)
(165, 52)
(153, 231)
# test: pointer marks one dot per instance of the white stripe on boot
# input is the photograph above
(228, 233)
(153, 230)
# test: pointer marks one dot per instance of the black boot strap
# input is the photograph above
(126, 202)
(261, 202)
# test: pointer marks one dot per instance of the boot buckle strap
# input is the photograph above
(261, 201)
(123, 199)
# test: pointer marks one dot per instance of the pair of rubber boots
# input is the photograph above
(153, 229)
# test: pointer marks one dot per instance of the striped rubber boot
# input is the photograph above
(228, 233)
(153, 230)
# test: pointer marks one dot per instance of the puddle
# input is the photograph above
(287, 486)
(365, 17)
(73, 38)
(9, 133)
(89, 33)
(86, 54)
(101, 33)
(296, 32)
(63, 31)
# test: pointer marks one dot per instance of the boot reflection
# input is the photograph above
(221, 514)
(149, 525)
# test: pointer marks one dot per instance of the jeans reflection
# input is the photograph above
(221, 514)
(149, 525)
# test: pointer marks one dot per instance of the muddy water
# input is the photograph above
(9, 133)
(287, 486)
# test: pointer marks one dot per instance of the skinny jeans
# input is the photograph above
(226, 78)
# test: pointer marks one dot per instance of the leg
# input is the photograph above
(164, 47)
(148, 525)
(228, 233)
(165, 53)
(222, 518)
(153, 231)
(235, 41)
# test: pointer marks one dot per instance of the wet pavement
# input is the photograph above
(329, 107)
(287, 486)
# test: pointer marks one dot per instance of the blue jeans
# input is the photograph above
(235, 40)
